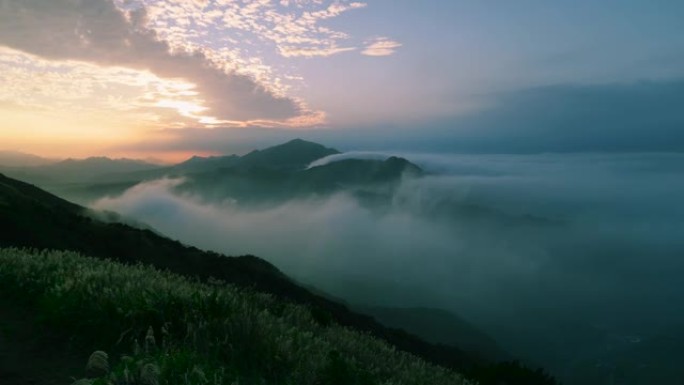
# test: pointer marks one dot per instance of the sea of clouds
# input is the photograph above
(508, 241)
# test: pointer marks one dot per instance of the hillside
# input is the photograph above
(199, 164)
(33, 218)
(192, 332)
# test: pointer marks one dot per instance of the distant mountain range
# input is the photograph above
(20, 159)
(99, 165)
(73, 171)
(274, 174)
(31, 217)
(294, 155)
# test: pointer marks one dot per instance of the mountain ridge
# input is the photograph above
(261, 176)
(22, 159)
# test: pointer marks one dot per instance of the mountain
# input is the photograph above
(200, 164)
(89, 167)
(296, 154)
(267, 176)
(86, 180)
(363, 171)
(77, 170)
(368, 180)
(20, 159)
(33, 218)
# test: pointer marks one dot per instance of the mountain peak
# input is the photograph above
(298, 140)
(201, 163)
(293, 155)
(300, 144)
(403, 165)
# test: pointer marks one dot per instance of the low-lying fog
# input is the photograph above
(522, 245)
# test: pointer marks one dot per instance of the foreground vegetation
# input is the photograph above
(160, 328)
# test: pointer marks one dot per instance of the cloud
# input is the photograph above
(98, 32)
(40, 84)
(328, 242)
(350, 155)
(293, 27)
(622, 117)
(494, 232)
(381, 46)
(524, 245)
(635, 117)
(293, 51)
(641, 116)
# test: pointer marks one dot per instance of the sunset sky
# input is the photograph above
(170, 78)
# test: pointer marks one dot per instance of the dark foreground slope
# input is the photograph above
(30, 217)
(162, 328)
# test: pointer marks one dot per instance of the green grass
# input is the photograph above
(167, 329)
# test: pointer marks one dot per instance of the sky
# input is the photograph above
(171, 78)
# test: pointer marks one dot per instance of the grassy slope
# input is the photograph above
(184, 331)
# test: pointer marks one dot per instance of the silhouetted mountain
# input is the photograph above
(265, 176)
(86, 180)
(293, 155)
(98, 166)
(363, 171)
(20, 159)
(369, 180)
(30, 217)
(77, 170)
(203, 164)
